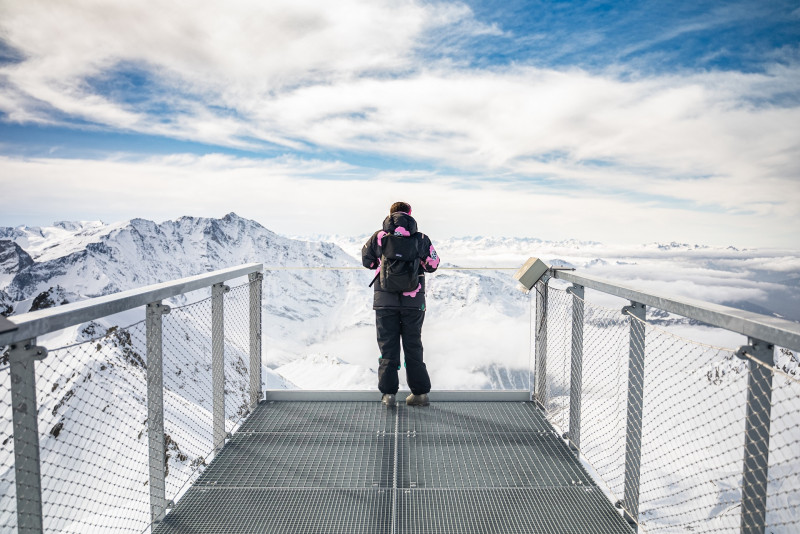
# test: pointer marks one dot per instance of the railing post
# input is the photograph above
(540, 327)
(633, 426)
(155, 408)
(218, 363)
(756, 435)
(22, 357)
(255, 337)
(576, 367)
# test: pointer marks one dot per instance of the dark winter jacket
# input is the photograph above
(400, 223)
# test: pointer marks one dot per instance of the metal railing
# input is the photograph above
(620, 388)
(235, 354)
(687, 400)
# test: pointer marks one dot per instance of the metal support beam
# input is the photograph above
(756, 435)
(540, 328)
(633, 426)
(218, 363)
(576, 367)
(256, 392)
(22, 357)
(155, 409)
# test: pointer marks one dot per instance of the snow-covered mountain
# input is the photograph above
(476, 317)
(93, 259)
(325, 310)
(73, 261)
(318, 322)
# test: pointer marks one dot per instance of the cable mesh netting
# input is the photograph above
(91, 400)
(783, 489)
(188, 395)
(92, 417)
(8, 489)
(604, 382)
(692, 420)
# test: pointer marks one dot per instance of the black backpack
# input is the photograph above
(399, 264)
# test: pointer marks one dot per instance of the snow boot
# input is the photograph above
(417, 400)
(388, 399)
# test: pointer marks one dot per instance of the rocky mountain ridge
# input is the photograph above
(92, 259)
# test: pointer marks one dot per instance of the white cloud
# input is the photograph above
(692, 139)
(295, 196)
(353, 75)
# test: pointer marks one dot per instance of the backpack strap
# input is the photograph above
(376, 277)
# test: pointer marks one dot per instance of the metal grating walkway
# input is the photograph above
(350, 467)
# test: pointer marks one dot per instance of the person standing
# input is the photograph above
(402, 256)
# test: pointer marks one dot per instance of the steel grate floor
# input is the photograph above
(362, 467)
(337, 417)
(553, 510)
(303, 461)
(482, 461)
(473, 417)
(252, 510)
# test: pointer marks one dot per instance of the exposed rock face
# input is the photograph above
(55, 296)
(6, 304)
(13, 258)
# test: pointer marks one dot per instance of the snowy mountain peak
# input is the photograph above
(78, 226)
(92, 259)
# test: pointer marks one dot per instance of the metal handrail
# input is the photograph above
(772, 329)
(764, 334)
(34, 324)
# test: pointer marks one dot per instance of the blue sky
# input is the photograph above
(606, 121)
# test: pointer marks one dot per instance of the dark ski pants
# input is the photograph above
(394, 326)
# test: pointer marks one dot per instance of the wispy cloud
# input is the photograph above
(295, 196)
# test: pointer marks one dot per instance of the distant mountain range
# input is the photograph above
(761, 280)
